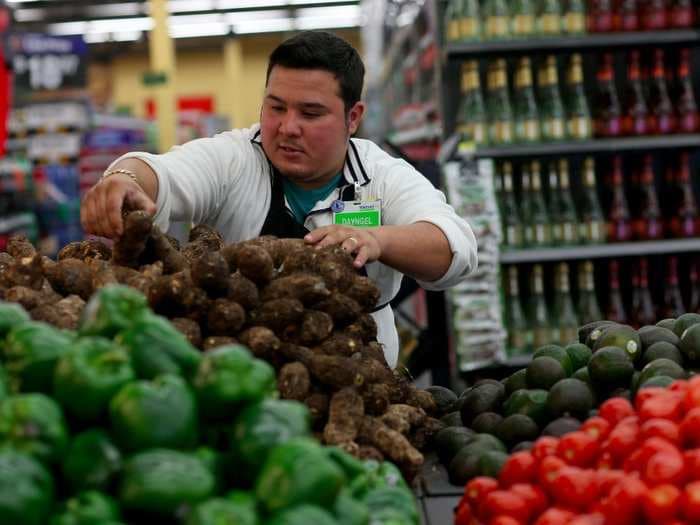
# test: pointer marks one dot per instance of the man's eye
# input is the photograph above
(277, 108)
(308, 114)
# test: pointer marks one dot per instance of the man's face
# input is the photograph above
(304, 126)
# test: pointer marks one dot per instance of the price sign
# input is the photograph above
(47, 63)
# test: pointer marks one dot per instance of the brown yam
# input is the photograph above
(365, 292)
(255, 263)
(215, 341)
(176, 296)
(341, 308)
(278, 314)
(210, 272)
(318, 407)
(30, 298)
(292, 352)
(334, 264)
(64, 314)
(340, 344)
(315, 327)
(129, 247)
(299, 259)
(262, 341)
(70, 277)
(243, 291)
(27, 271)
(364, 327)
(225, 317)
(376, 398)
(190, 329)
(390, 442)
(309, 289)
(161, 248)
(84, 250)
(344, 417)
(18, 246)
(336, 371)
(294, 382)
(367, 452)
(421, 399)
(207, 235)
(411, 416)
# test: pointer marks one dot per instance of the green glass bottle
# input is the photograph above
(540, 322)
(470, 21)
(549, 22)
(500, 113)
(575, 17)
(578, 114)
(588, 306)
(511, 223)
(564, 313)
(527, 120)
(538, 229)
(453, 15)
(592, 223)
(471, 118)
(561, 206)
(551, 107)
(517, 327)
(496, 20)
(524, 18)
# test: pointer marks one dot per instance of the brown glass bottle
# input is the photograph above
(608, 122)
(629, 15)
(656, 14)
(687, 108)
(642, 312)
(619, 227)
(636, 117)
(685, 222)
(673, 302)
(648, 224)
(682, 14)
(663, 115)
(600, 16)
(616, 308)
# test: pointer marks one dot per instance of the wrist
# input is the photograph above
(121, 173)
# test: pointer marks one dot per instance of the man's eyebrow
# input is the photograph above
(276, 99)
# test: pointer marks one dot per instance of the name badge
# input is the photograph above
(358, 214)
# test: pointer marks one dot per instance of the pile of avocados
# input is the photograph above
(561, 387)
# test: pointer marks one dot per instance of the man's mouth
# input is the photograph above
(290, 149)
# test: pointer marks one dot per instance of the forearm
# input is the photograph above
(419, 250)
(147, 178)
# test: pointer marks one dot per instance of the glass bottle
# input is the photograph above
(648, 225)
(538, 229)
(591, 219)
(453, 15)
(564, 313)
(527, 122)
(629, 15)
(588, 307)
(517, 327)
(549, 22)
(561, 208)
(664, 118)
(619, 227)
(656, 14)
(694, 293)
(687, 108)
(682, 14)
(470, 21)
(511, 222)
(497, 20)
(578, 114)
(601, 15)
(642, 312)
(685, 221)
(616, 308)
(500, 113)
(608, 122)
(540, 322)
(524, 18)
(551, 106)
(673, 302)
(471, 119)
(636, 116)
(575, 17)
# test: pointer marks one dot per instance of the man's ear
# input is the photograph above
(355, 117)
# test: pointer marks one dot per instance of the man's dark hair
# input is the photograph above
(326, 51)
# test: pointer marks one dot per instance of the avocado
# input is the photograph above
(543, 372)
(570, 397)
(667, 323)
(662, 349)
(579, 355)
(585, 331)
(450, 440)
(487, 381)
(684, 322)
(655, 334)
(492, 462)
(531, 403)
(515, 381)
(634, 380)
(690, 343)
(597, 332)
(523, 446)
(465, 465)
(492, 442)
(444, 398)
(516, 428)
(660, 381)
(483, 398)
(561, 426)
(661, 367)
(453, 419)
(486, 423)
(622, 336)
(582, 375)
(610, 368)
(558, 353)
(624, 393)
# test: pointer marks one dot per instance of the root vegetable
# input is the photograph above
(341, 308)
(262, 341)
(203, 233)
(365, 292)
(27, 271)
(315, 327)
(390, 442)
(216, 341)
(225, 318)
(376, 398)
(63, 314)
(421, 399)
(366, 452)
(278, 314)
(344, 417)
(255, 263)
(84, 250)
(243, 291)
(318, 407)
(70, 277)
(364, 327)
(190, 329)
(294, 382)
(129, 247)
(340, 344)
(18, 246)
(30, 298)
(309, 289)
(161, 248)
(210, 272)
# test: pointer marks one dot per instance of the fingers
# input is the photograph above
(101, 210)
(362, 257)
(351, 244)
(138, 200)
(316, 235)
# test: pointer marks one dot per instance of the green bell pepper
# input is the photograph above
(302, 515)
(87, 508)
(228, 378)
(352, 467)
(31, 351)
(112, 309)
(89, 375)
(295, 472)
(161, 481)
(92, 461)
(158, 413)
(349, 511)
(392, 502)
(218, 511)
(377, 475)
(157, 347)
(33, 423)
(11, 315)
(262, 426)
(4, 384)
(26, 489)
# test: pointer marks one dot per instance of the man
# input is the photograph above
(300, 174)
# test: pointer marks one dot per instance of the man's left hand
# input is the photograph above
(360, 242)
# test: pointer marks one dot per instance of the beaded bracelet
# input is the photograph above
(129, 173)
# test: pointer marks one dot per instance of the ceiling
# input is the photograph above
(115, 21)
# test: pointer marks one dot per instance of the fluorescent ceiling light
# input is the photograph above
(143, 23)
(181, 6)
(122, 9)
(243, 4)
(326, 22)
(30, 15)
(263, 26)
(242, 16)
(122, 36)
(68, 28)
(212, 18)
(337, 11)
(194, 30)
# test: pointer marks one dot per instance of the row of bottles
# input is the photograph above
(523, 116)
(647, 106)
(470, 20)
(637, 15)
(535, 317)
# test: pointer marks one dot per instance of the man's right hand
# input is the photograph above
(101, 209)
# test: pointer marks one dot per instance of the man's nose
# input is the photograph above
(289, 124)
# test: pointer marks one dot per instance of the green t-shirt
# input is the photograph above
(302, 201)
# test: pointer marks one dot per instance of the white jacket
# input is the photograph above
(225, 182)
